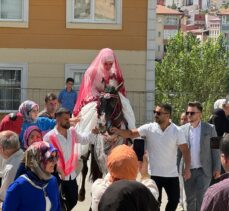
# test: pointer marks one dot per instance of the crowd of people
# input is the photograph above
(40, 152)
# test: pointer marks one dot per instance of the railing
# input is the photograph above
(11, 98)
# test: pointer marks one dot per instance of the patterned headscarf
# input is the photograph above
(94, 75)
(122, 163)
(36, 157)
(27, 133)
(25, 108)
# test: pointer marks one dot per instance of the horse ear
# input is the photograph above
(119, 86)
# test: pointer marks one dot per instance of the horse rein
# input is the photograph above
(108, 96)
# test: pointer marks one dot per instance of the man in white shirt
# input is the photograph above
(205, 162)
(67, 141)
(162, 141)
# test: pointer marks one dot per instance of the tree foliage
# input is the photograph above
(191, 71)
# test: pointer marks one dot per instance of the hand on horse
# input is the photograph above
(110, 138)
(95, 131)
(74, 120)
(115, 130)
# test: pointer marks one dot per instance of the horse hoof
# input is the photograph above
(81, 196)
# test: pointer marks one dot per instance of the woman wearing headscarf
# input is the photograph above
(122, 164)
(29, 109)
(37, 189)
(104, 70)
(125, 195)
(31, 135)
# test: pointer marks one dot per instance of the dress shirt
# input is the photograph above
(66, 144)
(194, 141)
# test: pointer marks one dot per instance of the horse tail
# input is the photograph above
(95, 172)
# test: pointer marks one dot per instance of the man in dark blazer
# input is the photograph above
(220, 117)
(205, 162)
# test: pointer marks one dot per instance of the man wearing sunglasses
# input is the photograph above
(162, 140)
(205, 162)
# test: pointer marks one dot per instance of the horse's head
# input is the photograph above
(109, 109)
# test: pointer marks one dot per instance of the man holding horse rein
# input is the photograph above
(162, 139)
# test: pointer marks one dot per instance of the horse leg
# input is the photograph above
(95, 171)
(81, 196)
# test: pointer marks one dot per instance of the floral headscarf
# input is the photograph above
(36, 157)
(27, 133)
(25, 108)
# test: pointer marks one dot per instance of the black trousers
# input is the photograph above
(70, 193)
(172, 189)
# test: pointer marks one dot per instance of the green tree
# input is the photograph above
(191, 71)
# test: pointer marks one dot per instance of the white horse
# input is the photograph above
(88, 121)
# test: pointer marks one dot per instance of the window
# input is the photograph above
(75, 71)
(225, 20)
(159, 34)
(171, 20)
(169, 33)
(14, 13)
(13, 84)
(159, 48)
(97, 14)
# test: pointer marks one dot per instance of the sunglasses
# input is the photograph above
(191, 113)
(53, 159)
(158, 112)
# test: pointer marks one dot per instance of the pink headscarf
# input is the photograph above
(27, 133)
(94, 76)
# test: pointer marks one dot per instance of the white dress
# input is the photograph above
(88, 121)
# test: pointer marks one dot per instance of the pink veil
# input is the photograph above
(93, 78)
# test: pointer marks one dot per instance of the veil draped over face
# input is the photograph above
(96, 76)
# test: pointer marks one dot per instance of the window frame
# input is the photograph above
(70, 69)
(71, 22)
(171, 20)
(225, 20)
(18, 23)
(24, 79)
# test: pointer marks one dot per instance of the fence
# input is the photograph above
(11, 98)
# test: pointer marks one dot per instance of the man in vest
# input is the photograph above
(67, 141)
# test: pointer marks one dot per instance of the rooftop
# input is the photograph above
(224, 11)
(162, 10)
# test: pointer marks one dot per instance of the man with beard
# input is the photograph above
(67, 141)
(162, 140)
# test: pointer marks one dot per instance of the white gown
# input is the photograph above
(88, 121)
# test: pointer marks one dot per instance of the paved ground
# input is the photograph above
(84, 206)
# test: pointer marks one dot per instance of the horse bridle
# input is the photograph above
(103, 94)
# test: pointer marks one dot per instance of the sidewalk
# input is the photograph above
(84, 206)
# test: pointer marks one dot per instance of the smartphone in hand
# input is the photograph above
(139, 148)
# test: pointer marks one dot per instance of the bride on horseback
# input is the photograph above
(103, 71)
